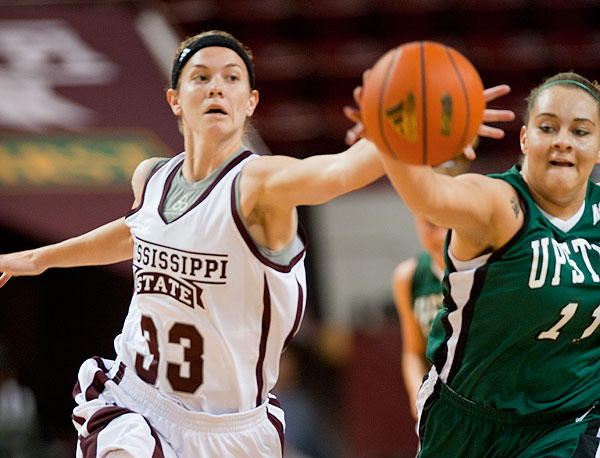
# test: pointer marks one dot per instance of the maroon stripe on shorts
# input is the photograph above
(275, 402)
(158, 451)
(98, 382)
(96, 423)
(79, 420)
(97, 386)
(266, 323)
(100, 363)
(99, 421)
(278, 426)
(119, 375)
(76, 389)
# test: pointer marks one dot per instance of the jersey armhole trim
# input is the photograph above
(252, 245)
(154, 169)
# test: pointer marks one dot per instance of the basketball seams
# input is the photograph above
(465, 96)
(396, 111)
(380, 109)
(423, 102)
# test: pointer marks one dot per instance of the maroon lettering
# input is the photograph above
(192, 355)
(193, 348)
(175, 263)
(149, 332)
(162, 260)
(159, 283)
(211, 266)
(196, 266)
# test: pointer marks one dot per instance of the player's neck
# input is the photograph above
(203, 156)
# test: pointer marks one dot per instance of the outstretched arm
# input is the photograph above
(286, 182)
(271, 188)
(107, 244)
(483, 212)
(480, 209)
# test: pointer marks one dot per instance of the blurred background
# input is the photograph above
(82, 102)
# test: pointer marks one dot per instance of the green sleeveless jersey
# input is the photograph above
(519, 327)
(426, 292)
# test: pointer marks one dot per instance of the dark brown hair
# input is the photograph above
(567, 79)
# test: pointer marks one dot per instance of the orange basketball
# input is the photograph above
(422, 103)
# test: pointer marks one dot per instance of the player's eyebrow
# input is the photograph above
(233, 64)
(552, 115)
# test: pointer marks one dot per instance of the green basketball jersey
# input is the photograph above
(519, 327)
(426, 292)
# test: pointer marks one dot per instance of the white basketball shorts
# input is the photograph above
(117, 411)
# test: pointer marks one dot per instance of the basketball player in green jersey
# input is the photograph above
(516, 347)
(417, 290)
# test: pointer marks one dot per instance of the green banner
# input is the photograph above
(74, 161)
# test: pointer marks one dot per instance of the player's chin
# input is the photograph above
(217, 127)
(563, 179)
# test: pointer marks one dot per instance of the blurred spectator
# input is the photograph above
(19, 431)
(304, 433)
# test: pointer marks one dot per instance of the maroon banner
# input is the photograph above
(82, 101)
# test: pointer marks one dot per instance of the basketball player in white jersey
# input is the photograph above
(220, 288)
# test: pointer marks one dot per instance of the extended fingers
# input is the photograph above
(494, 92)
(490, 132)
(469, 152)
(353, 114)
(357, 94)
(492, 115)
(355, 133)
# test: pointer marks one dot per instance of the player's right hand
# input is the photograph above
(357, 131)
(18, 264)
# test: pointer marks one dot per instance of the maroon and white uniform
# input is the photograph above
(209, 318)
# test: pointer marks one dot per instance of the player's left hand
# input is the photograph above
(357, 131)
(491, 115)
(18, 264)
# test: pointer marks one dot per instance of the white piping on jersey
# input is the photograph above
(425, 392)
(470, 264)
(564, 225)
(461, 285)
(436, 270)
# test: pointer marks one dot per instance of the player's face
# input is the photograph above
(561, 142)
(214, 96)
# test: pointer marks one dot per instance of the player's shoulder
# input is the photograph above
(147, 166)
(491, 189)
(143, 169)
(479, 179)
(267, 164)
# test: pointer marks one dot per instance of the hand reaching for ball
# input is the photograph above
(424, 103)
(489, 115)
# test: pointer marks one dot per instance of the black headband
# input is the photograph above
(205, 42)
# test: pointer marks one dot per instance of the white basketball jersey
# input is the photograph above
(210, 315)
